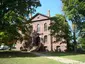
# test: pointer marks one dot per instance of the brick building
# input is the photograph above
(40, 23)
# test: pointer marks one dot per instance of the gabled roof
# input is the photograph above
(39, 14)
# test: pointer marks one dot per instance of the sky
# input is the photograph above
(55, 7)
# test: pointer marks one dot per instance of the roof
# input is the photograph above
(37, 15)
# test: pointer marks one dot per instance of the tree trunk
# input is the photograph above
(75, 43)
(68, 45)
(74, 37)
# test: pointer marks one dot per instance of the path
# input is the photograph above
(63, 60)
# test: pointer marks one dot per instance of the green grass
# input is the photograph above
(74, 56)
(37, 60)
(17, 57)
(79, 57)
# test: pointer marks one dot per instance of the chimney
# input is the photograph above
(30, 15)
(48, 13)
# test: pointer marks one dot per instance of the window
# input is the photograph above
(38, 27)
(45, 38)
(45, 27)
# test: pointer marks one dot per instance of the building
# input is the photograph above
(40, 23)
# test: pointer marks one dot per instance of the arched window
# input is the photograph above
(45, 38)
(45, 27)
(38, 27)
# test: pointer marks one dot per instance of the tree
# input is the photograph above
(74, 10)
(81, 7)
(60, 29)
(12, 17)
(82, 43)
(81, 39)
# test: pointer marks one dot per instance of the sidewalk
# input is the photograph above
(63, 60)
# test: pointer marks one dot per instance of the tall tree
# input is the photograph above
(74, 10)
(12, 17)
(81, 38)
(60, 28)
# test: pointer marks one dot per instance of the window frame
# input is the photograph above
(45, 39)
(38, 27)
(45, 27)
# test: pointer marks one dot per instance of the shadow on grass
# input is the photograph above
(12, 54)
(59, 54)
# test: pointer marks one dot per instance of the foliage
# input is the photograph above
(82, 43)
(60, 28)
(74, 11)
(70, 8)
(81, 7)
(58, 23)
(12, 18)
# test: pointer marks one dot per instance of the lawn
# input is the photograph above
(79, 57)
(23, 58)
(70, 55)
